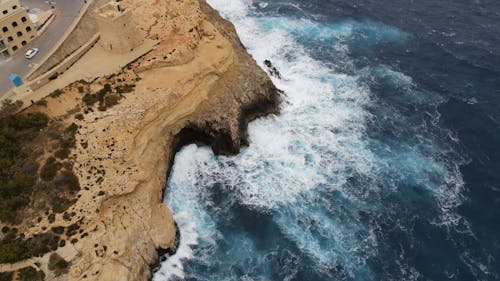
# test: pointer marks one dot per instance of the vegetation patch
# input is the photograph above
(13, 249)
(123, 89)
(105, 97)
(71, 130)
(58, 265)
(41, 102)
(16, 179)
(89, 99)
(31, 274)
(79, 116)
(6, 276)
(56, 93)
(60, 204)
(111, 100)
(62, 153)
(49, 169)
(102, 93)
(58, 230)
(67, 181)
(42, 243)
(32, 174)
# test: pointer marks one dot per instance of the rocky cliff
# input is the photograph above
(199, 85)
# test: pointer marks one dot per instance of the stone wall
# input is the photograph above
(64, 65)
(81, 34)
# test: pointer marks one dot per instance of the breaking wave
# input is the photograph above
(355, 161)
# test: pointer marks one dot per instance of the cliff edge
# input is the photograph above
(198, 85)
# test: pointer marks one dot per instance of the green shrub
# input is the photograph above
(58, 265)
(16, 203)
(100, 96)
(60, 204)
(30, 121)
(49, 169)
(14, 193)
(9, 107)
(111, 100)
(56, 93)
(7, 215)
(42, 243)
(89, 99)
(31, 274)
(41, 102)
(62, 153)
(72, 129)
(18, 174)
(6, 276)
(9, 147)
(107, 88)
(127, 88)
(67, 180)
(103, 92)
(13, 250)
(81, 89)
(58, 229)
(16, 181)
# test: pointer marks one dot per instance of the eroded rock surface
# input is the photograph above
(198, 85)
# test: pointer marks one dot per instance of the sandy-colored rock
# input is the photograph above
(198, 85)
(162, 229)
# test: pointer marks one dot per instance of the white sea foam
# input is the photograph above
(285, 159)
(263, 5)
(173, 265)
(313, 148)
(189, 220)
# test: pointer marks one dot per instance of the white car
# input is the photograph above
(31, 53)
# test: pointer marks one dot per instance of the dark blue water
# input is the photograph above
(384, 163)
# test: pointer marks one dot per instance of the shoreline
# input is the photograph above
(198, 85)
(196, 136)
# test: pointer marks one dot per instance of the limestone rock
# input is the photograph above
(162, 227)
(199, 85)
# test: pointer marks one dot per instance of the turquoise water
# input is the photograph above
(367, 174)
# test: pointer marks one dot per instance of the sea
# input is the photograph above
(384, 163)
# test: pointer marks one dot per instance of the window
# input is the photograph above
(14, 24)
(14, 7)
(28, 28)
(19, 34)
(10, 39)
(23, 19)
(14, 48)
(24, 43)
(5, 29)
(5, 12)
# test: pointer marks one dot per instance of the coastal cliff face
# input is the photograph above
(198, 85)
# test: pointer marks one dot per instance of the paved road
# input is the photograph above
(66, 11)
